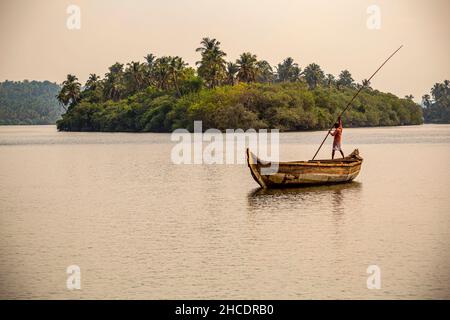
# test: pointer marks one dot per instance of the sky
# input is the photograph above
(36, 43)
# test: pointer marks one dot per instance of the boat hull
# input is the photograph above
(305, 173)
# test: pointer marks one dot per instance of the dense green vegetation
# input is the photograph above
(437, 106)
(29, 102)
(163, 94)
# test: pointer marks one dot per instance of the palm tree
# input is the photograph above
(92, 82)
(409, 97)
(135, 76)
(70, 92)
(264, 72)
(114, 87)
(288, 70)
(162, 72)
(176, 68)
(212, 65)
(93, 89)
(149, 65)
(232, 69)
(329, 80)
(150, 59)
(345, 79)
(247, 67)
(446, 89)
(208, 45)
(438, 91)
(426, 100)
(313, 75)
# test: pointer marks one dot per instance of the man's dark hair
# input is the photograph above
(336, 125)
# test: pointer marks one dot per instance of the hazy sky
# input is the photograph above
(36, 44)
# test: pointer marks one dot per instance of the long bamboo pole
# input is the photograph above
(354, 96)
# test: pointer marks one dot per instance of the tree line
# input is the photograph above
(165, 93)
(29, 102)
(437, 105)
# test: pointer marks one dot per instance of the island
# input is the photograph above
(164, 93)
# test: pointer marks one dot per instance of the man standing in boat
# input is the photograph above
(337, 134)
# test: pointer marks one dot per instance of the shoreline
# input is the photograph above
(165, 132)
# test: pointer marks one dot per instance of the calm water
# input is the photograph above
(141, 227)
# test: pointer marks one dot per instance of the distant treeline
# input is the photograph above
(163, 94)
(29, 102)
(437, 106)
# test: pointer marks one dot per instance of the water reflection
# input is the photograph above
(333, 197)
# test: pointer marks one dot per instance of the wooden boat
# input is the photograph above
(305, 173)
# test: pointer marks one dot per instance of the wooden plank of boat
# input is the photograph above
(301, 173)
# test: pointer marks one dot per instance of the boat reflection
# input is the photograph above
(315, 198)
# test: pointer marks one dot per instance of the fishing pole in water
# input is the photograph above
(356, 94)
